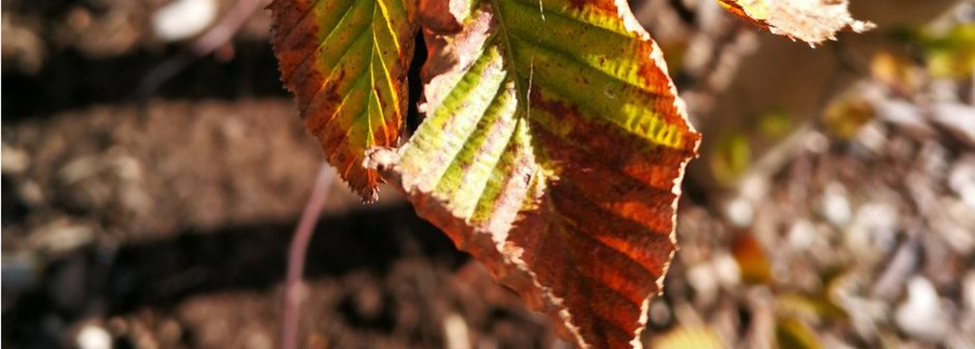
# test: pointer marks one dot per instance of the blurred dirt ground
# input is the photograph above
(833, 205)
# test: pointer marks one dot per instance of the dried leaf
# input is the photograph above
(553, 150)
(792, 333)
(755, 268)
(730, 156)
(689, 338)
(812, 21)
(814, 307)
(952, 53)
(846, 115)
(346, 62)
(897, 73)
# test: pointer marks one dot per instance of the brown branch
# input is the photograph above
(297, 253)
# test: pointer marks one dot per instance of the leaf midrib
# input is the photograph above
(509, 57)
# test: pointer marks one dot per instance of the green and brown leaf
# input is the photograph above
(553, 150)
(346, 62)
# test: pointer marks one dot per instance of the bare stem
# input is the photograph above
(297, 253)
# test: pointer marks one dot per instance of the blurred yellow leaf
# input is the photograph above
(845, 116)
(689, 338)
(793, 334)
(952, 54)
(675, 51)
(896, 72)
(730, 156)
(775, 124)
(814, 307)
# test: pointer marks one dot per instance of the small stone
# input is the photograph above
(92, 336)
(962, 181)
(802, 235)
(873, 137)
(14, 160)
(740, 212)
(726, 269)
(835, 205)
(754, 187)
(660, 313)
(958, 119)
(61, 236)
(705, 283)
(817, 143)
(456, 335)
(183, 19)
(874, 228)
(906, 116)
(921, 316)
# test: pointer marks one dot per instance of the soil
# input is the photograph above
(163, 217)
(166, 223)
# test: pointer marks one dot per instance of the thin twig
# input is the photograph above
(297, 253)
(221, 33)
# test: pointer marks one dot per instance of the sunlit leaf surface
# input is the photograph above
(552, 150)
(812, 21)
(346, 62)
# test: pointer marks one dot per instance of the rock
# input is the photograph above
(709, 277)
(14, 160)
(922, 316)
(726, 269)
(92, 336)
(802, 235)
(835, 205)
(873, 229)
(183, 19)
(61, 236)
(740, 212)
(704, 281)
(962, 181)
(905, 116)
(958, 119)
(455, 332)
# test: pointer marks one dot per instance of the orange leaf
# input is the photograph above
(346, 62)
(552, 150)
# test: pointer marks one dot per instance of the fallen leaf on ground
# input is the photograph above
(689, 338)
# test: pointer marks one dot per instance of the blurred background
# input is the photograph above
(153, 170)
